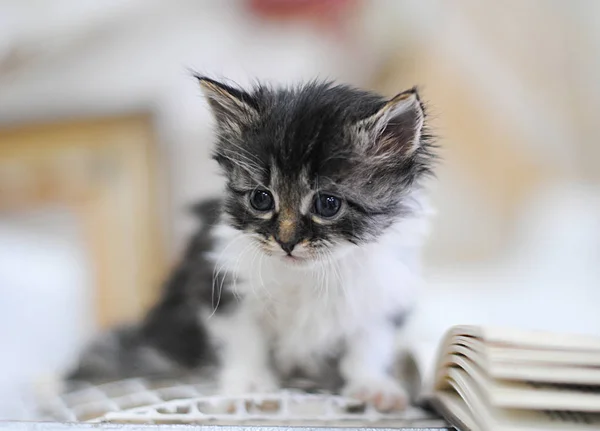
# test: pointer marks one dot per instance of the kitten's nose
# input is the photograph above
(288, 247)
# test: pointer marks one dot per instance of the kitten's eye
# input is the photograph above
(327, 206)
(261, 200)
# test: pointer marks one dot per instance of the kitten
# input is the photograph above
(311, 259)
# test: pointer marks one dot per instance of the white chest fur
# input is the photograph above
(307, 313)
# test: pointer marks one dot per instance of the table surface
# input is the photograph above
(73, 426)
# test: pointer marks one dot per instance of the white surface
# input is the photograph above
(549, 279)
(44, 300)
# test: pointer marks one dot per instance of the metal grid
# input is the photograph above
(191, 400)
(84, 401)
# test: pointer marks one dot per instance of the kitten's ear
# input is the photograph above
(395, 130)
(229, 105)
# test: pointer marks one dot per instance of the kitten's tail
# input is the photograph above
(171, 338)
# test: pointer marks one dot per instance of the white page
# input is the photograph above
(520, 395)
(490, 418)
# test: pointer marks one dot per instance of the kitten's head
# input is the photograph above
(314, 170)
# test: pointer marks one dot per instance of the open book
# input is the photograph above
(508, 380)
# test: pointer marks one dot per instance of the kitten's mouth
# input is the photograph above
(293, 259)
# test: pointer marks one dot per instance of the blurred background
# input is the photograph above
(104, 143)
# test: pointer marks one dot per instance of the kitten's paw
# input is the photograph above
(241, 381)
(385, 394)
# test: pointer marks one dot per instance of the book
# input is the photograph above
(495, 379)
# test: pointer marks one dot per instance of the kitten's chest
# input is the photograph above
(312, 312)
(305, 324)
(301, 305)
(316, 310)
(307, 313)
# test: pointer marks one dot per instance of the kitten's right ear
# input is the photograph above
(229, 105)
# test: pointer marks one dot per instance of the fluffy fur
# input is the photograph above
(314, 252)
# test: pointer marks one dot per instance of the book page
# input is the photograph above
(471, 361)
(531, 339)
(524, 363)
(509, 370)
(465, 405)
(416, 366)
(530, 395)
(542, 356)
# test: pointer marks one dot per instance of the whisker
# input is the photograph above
(217, 269)
(235, 270)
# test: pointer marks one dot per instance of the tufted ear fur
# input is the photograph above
(229, 105)
(396, 128)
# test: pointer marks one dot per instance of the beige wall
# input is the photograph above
(514, 99)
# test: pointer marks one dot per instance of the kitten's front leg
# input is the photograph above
(244, 353)
(366, 368)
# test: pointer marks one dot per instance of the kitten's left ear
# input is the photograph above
(229, 105)
(397, 127)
